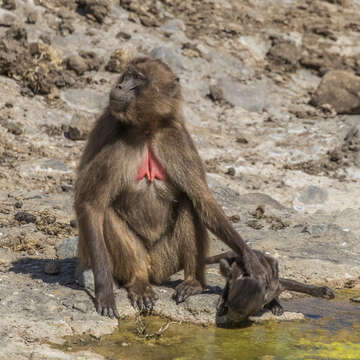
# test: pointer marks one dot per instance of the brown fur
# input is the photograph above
(244, 295)
(142, 232)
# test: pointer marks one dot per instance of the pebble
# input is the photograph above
(51, 268)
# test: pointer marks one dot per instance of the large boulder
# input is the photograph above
(341, 90)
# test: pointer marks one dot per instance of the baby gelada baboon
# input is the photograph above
(244, 295)
(141, 197)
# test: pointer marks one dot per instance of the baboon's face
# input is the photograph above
(147, 91)
(243, 296)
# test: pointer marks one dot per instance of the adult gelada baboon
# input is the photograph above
(244, 295)
(141, 198)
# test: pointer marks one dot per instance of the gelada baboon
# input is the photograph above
(244, 295)
(141, 197)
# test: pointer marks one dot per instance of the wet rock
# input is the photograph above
(118, 60)
(168, 56)
(76, 63)
(25, 217)
(355, 299)
(51, 268)
(96, 9)
(67, 248)
(286, 316)
(339, 89)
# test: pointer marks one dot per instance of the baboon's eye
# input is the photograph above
(139, 76)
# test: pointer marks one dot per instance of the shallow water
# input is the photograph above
(331, 330)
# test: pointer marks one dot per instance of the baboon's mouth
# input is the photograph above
(118, 105)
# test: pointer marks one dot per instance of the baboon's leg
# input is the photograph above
(318, 291)
(275, 307)
(129, 260)
(185, 248)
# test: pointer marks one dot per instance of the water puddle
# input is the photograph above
(330, 331)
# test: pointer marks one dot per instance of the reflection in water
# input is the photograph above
(331, 331)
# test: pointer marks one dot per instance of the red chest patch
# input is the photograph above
(150, 168)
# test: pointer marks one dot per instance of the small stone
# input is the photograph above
(25, 217)
(231, 171)
(234, 218)
(96, 9)
(216, 93)
(123, 35)
(67, 249)
(14, 128)
(66, 28)
(9, 4)
(255, 224)
(51, 268)
(65, 187)
(31, 17)
(335, 156)
(79, 128)
(355, 299)
(73, 223)
(92, 60)
(19, 204)
(118, 60)
(77, 64)
(242, 140)
(7, 18)
(85, 278)
(341, 90)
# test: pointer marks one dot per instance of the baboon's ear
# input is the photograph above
(225, 268)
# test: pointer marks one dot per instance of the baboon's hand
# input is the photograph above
(326, 293)
(142, 296)
(186, 289)
(105, 303)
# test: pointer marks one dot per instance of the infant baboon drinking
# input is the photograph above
(244, 295)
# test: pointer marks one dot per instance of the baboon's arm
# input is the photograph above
(92, 196)
(184, 167)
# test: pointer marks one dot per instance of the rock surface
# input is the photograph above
(285, 172)
(340, 90)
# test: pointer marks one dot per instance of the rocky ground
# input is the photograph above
(271, 96)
